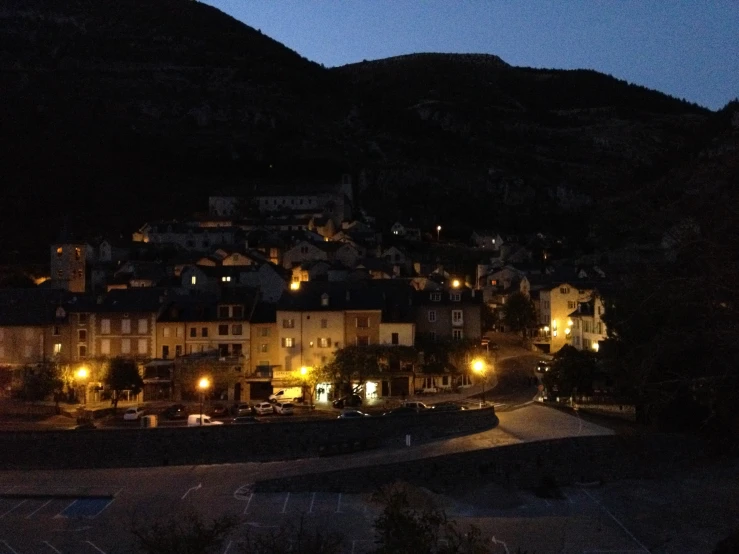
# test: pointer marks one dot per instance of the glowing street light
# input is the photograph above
(479, 367)
(203, 385)
(438, 232)
(456, 283)
(81, 375)
(295, 285)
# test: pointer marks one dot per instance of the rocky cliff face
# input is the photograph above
(120, 111)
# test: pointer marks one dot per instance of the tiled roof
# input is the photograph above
(33, 306)
(139, 299)
(340, 295)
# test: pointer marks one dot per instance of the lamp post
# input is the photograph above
(203, 385)
(438, 232)
(82, 374)
(479, 367)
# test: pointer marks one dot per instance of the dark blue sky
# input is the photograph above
(685, 48)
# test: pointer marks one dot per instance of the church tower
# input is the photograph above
(68, 266)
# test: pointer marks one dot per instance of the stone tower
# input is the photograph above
(68, 267)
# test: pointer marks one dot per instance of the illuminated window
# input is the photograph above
(105, 346)
(324, 343)
(194, 280)
(288, 342)
(58, 348)
(77, 253)
(226, 278)
(59, 252)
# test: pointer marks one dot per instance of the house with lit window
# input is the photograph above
(487, 239)
(265, 351)
(448, 313)
(555, 304)
(588, 328)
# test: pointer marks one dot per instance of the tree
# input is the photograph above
(186, 535)
(573, 371)
(353, 364)
(39, 382)
(519, 313)
(123, 374)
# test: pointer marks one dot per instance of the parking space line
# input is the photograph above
(200, 485)
(14, 507)
(312, 500)
(246, 510)
(47, 543)
(29, 516)
(65, 509)
(95, 547)
(621, 525)
(103, 509)
(338, 505)
(9, 547)
(505, 546)
(284, 506)
(228, 546)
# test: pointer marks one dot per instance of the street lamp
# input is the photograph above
(479, 367)
(82, 374)
(203, 385)
(438, 231)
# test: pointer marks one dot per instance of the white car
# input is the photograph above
(133, 414)
(283, 408)
(201, 420)
(263, 408)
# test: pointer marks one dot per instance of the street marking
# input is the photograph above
(228, 546)
(88, 508)
(338, 505)
(261, 526)
(9, 547)
(246, 510)
(200, 485)
(242, 491)
(29, 516)
(95, 547)
(312, 500)
(14, 507)
(644, 548)
(47, 543)
(65, 509)
(568, 497)
(496, 541)
(284, 506)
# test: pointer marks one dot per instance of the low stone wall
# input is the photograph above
(228, 443)
(622, 411)
(575, 460)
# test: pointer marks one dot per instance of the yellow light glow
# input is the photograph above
(295, 285)
(596, 346)
(569, 322)
(455, 283)
(478, 366)
(567, 331)
(554, 333)
(554, 324)
(304, 370)
(546, 328)
(204, 383)
(82, 373)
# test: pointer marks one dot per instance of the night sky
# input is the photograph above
(688, 49)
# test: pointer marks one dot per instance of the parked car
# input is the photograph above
(352, 414)
(348, 401)
(245, 420)
(219, 410)
(263, 408)
(448, 407)
(197, 420)
(133, 414)
(283, 408)
(242, 409)
(418, 406)
(175, 411)
(402, 410)
(543, 366)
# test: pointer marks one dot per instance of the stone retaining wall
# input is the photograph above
(576, 460)
(228, 443)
